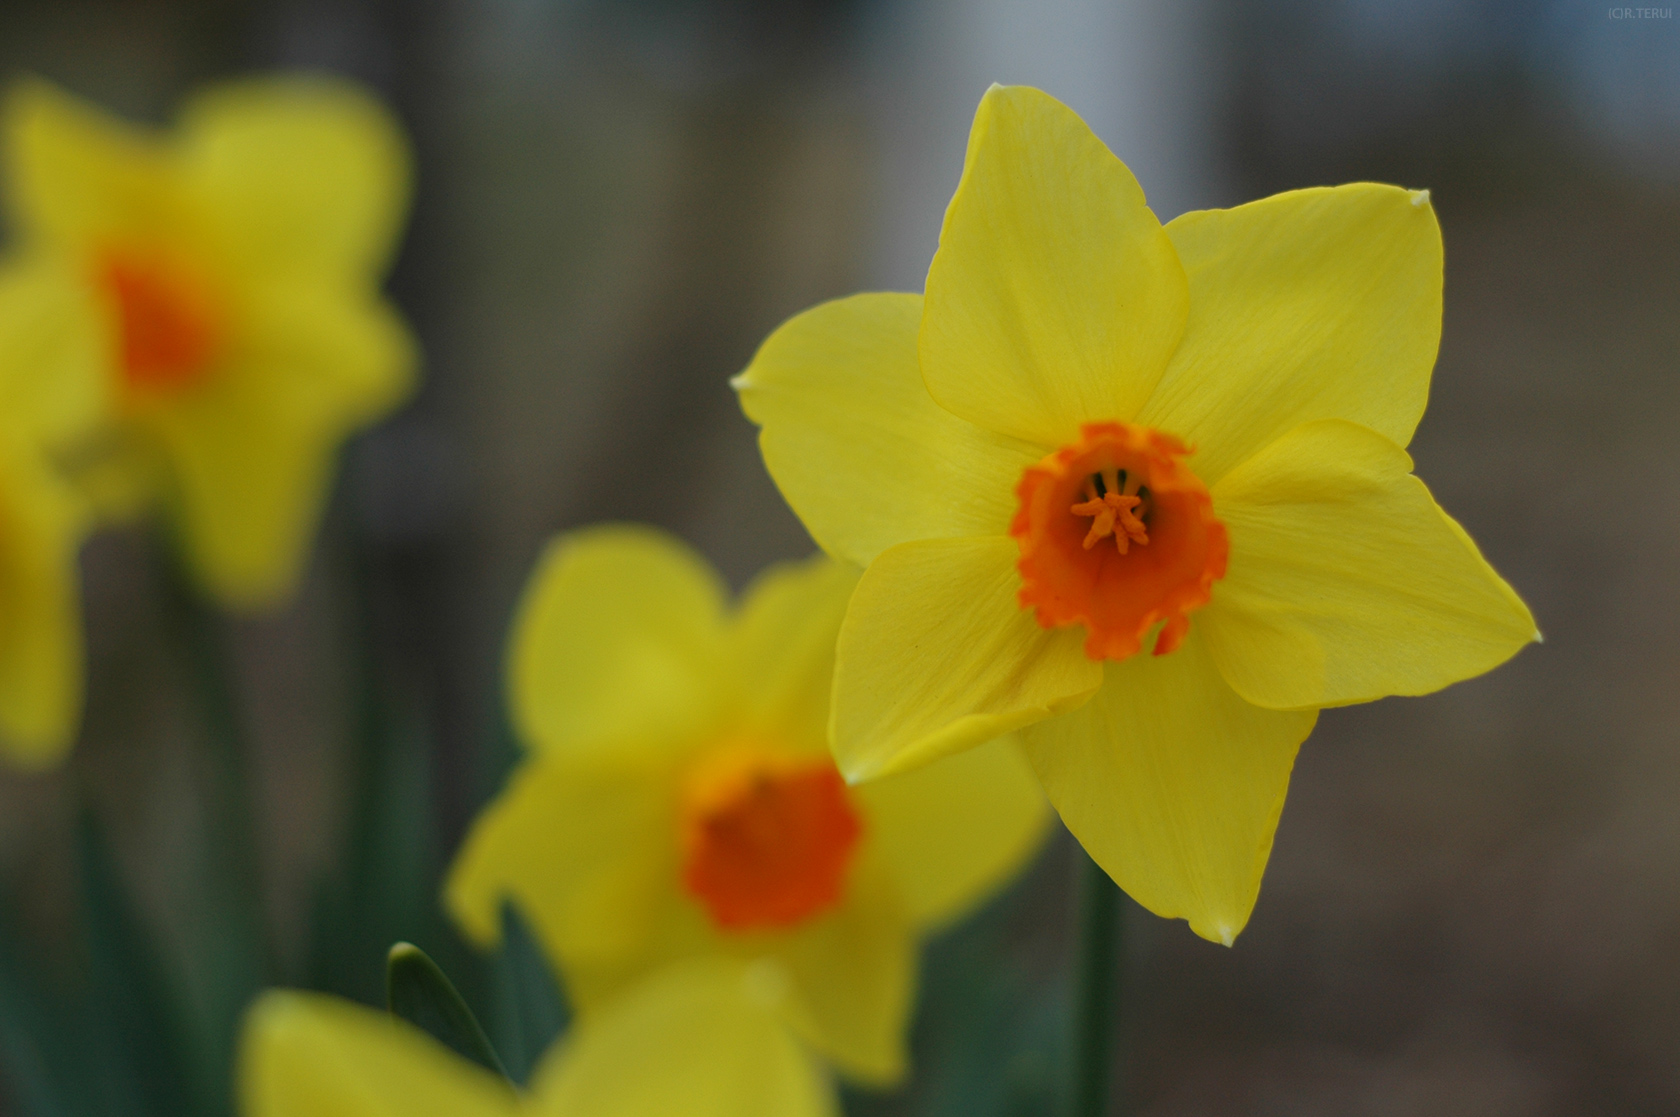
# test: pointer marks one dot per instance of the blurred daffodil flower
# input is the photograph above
(230, 271)
(689, 1041)
(51, 390)
(679, 800)
(1095, 438)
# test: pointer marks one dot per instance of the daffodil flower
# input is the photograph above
(1139, 492)
(49, 393)
(229, 270)
(689, 1041)
(679, 800)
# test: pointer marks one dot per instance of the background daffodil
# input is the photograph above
(687, 1041)
(230, 269)
(679, 800)
(1097, 438)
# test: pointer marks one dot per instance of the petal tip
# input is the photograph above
(1420, 198)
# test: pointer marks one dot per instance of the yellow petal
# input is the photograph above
(957, 830)
(251, 448)
(783, 645)
(1346, 581)
(41, 529)
(1173, 784)
(306, 176)
(856, 444)
(851, 977)
(693, 1040)
(936, 656)
(51, 393)
(1314, 304)
(1055, 297)
(76, 176)
(587, 852)
(618, 644)
(311, 1055)
(54, 387)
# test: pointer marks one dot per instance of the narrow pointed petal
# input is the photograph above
(52, 391)
(587, 852)
(41, 655)
(1055, 298)
(76, 176)
(1347, 582)
(936, 656)
(955, 831)
(311, 1055)
(696, 1040)
(617, 644)
(851, 978)
(252, 450)
(856, 444)
(1313, 304)
(1173, 784)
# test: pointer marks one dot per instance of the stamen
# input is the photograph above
(1111, 511)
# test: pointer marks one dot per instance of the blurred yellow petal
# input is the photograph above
(693, 1040)
(956, 831)
(1314, 304)
(851, 978)
(783, 643)
(856, 444)
(587, 852)
(54, 387)
(1055, 298)
(51, 394)
(619, 643)
(936, 656)
(1347, 582)
(1173, 784)
(311, 1055)
(306, 176)
(76, 176)
(252, 448)
(41, 529)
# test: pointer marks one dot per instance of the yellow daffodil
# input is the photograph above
(679, 800)
(229, 270)
(49, 393)
(690, 1041)
(1137, 491)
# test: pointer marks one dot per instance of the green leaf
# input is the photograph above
(417, 991)
(530, 1010)
(135, 1001)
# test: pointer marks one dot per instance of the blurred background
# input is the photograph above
(1473, 906)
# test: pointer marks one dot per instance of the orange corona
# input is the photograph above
(1117, 534)
(766, 839)
(169, 327)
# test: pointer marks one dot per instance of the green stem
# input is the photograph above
(1097, 990)
(232, 804)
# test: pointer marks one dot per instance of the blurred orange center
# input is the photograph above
(1118, 535)
(167, 319)
(766, 839)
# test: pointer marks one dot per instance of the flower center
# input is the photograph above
(766, 839)
(168, 320)
(1129, 484)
